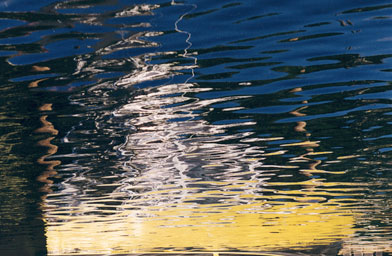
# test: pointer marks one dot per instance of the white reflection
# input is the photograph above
(179, 174)
(137, 10)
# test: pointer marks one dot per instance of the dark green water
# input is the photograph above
(200, 126)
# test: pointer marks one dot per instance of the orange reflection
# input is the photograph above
(48, 128)
(308, 145)
(35, 83)
(40, 68)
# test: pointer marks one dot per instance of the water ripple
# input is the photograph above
(199, 127)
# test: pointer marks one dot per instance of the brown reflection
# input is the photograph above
(40, 68)
(355, 244)
(35, 83)
(300, 127)
(48, 128)
(378, 245)
(36, 68)
(308, 145)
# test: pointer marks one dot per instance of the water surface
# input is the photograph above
(196, 126)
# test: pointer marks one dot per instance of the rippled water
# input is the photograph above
(196, 126)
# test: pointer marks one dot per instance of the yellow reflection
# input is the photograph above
(302, 144)
(348, 157)
(250, 227)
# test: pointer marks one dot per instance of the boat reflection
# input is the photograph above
(182, 182)
(189, 185)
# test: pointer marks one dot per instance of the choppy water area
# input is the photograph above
(133, 127)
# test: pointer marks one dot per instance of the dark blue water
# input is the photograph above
(145, 127)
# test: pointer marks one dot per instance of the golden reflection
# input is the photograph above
(40, 68)
(257, 226)
(48, 128)
(300, 126)
(46, 107)
(348, 157)
(35, 83)
(353, 244)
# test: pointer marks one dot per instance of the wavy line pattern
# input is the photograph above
(198, 127)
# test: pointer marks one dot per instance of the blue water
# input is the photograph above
(123, 121)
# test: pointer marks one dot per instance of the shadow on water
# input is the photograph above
(201, 127)
(21, 223)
